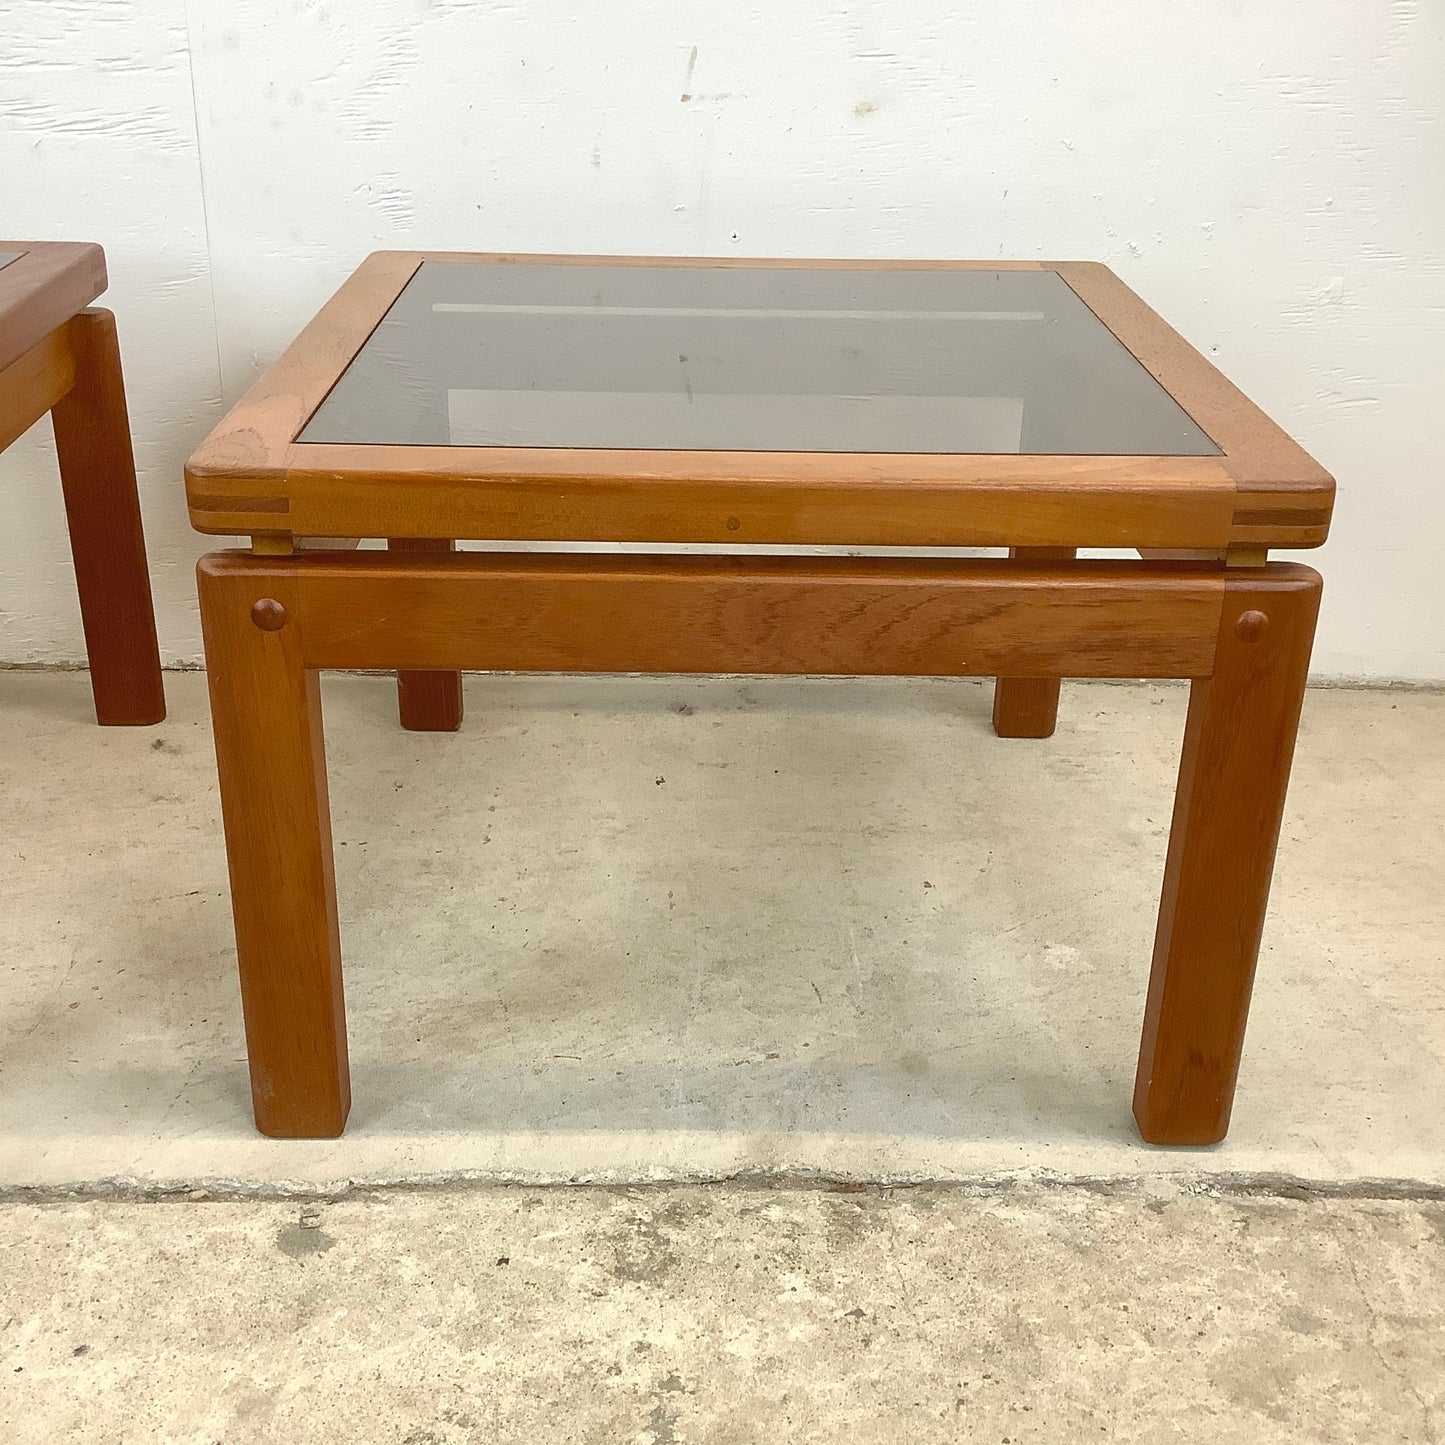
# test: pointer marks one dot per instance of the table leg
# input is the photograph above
(428, 701)
(1028, 707)
(266, 713)
(1238, 743)
(97, 476)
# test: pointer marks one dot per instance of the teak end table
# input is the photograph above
(1031, 406)
(58, 354)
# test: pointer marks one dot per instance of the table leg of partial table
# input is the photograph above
(102, 507)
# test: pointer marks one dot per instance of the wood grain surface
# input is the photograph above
(865, 616)
(1238, 743)
(107, 543)
(270, 758)
(428, 702)
(1258, 454)
(33, 383)
(43, 288)
(1028, 707)
(251, 476)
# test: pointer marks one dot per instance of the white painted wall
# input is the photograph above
(1271, 176)
(98, 143)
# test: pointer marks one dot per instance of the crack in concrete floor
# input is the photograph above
(725, 1313)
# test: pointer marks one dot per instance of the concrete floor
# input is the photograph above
(674, 929)
(624, 929)
(726, 1314)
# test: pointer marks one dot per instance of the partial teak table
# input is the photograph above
(1029, 406)
(58, 354)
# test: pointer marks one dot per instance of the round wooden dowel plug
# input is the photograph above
(269, 615)
(1251, 626)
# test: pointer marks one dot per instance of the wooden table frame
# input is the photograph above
(1238, 629)
(58, 354)
(252, 478)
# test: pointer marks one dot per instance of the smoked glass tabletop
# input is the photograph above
(6, 257)
(697, 358)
